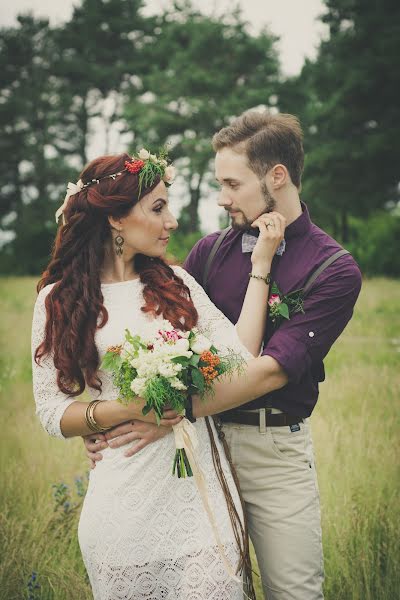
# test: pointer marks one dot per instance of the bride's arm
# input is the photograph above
(61, 415)
(253, 317)
(106, 414)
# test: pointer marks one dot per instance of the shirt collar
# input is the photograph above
(299, 226)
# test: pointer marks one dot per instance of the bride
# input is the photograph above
(143, 533)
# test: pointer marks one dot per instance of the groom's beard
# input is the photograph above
(245, 224)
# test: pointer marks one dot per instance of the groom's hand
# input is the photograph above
(140, 432)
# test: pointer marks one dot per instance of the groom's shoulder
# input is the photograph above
(323, 247)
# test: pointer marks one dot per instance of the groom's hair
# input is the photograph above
(266, 140)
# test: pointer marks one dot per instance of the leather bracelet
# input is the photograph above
(89, 417)
(266, 279)
(189, 410)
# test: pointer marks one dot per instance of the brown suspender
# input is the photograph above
(210, 257)
(308, 284)
(321, 269)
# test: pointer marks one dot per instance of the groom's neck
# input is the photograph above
(288, 204)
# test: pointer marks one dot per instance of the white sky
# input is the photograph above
(294, 21)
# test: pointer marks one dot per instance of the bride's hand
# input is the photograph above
(272, 228)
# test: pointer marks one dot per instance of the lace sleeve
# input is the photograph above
(50, 401)
(212, 322)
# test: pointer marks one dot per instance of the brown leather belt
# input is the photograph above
(245, 417)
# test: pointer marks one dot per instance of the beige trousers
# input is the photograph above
(276, 471)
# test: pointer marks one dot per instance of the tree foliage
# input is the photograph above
(179, 77)
(200, 72)
(348, 103)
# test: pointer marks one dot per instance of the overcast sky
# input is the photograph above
(294, 21)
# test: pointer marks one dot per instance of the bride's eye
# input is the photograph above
(158, 209)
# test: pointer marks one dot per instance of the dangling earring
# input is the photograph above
(119, 242)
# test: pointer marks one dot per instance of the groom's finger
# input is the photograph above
(119, 430)
(94, 456)
(142, 443)
(170, 414)
(170, 418)
(93, 446)
(121, 440)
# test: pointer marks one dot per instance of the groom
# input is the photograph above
(259, 163)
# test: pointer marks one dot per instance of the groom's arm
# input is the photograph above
(298, 343)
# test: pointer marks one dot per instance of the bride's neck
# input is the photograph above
(117, 268)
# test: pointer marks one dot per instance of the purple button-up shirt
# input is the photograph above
(301, 343)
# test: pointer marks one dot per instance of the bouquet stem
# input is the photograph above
(181, 464)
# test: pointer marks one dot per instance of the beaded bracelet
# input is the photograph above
(267, 278)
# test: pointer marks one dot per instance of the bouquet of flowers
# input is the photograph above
(164, 367)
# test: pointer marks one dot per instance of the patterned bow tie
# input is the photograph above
(249, 241)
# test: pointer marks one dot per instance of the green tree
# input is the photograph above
(200, 72)
(100, 56)
(55, 81)
(348, 102)
(35, 139)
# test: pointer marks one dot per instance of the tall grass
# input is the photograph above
(355, 429)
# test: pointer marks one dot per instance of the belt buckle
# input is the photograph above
(263, 412)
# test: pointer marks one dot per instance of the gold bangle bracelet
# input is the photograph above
(89, 417)
(93, 420)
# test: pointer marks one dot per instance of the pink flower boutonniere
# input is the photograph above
(283, 306)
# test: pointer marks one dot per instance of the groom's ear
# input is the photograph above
(278, 176)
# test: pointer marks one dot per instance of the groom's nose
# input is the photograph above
(224, 199)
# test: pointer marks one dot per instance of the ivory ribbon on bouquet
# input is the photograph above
(186, 438)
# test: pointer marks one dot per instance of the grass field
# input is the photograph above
(356, 434)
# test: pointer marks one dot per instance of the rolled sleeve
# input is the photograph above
(305, 339)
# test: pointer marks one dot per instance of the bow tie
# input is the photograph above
(249, 241)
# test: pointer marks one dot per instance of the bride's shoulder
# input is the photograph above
(185, 276)
(43, 293)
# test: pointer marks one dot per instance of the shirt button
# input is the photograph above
(310, 334)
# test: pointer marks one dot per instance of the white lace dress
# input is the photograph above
(144, 534)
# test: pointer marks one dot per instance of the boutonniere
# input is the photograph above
(283, 306)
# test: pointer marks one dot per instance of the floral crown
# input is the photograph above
(148, 166)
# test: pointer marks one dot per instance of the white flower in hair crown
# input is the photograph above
(147, 165)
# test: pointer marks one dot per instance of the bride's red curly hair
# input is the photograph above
(74, 305)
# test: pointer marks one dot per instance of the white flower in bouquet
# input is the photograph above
(181, 345)
(177, 384)
(169, 369)
(138, 385)
(200, 344)
(144, 154)
(146, 364)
